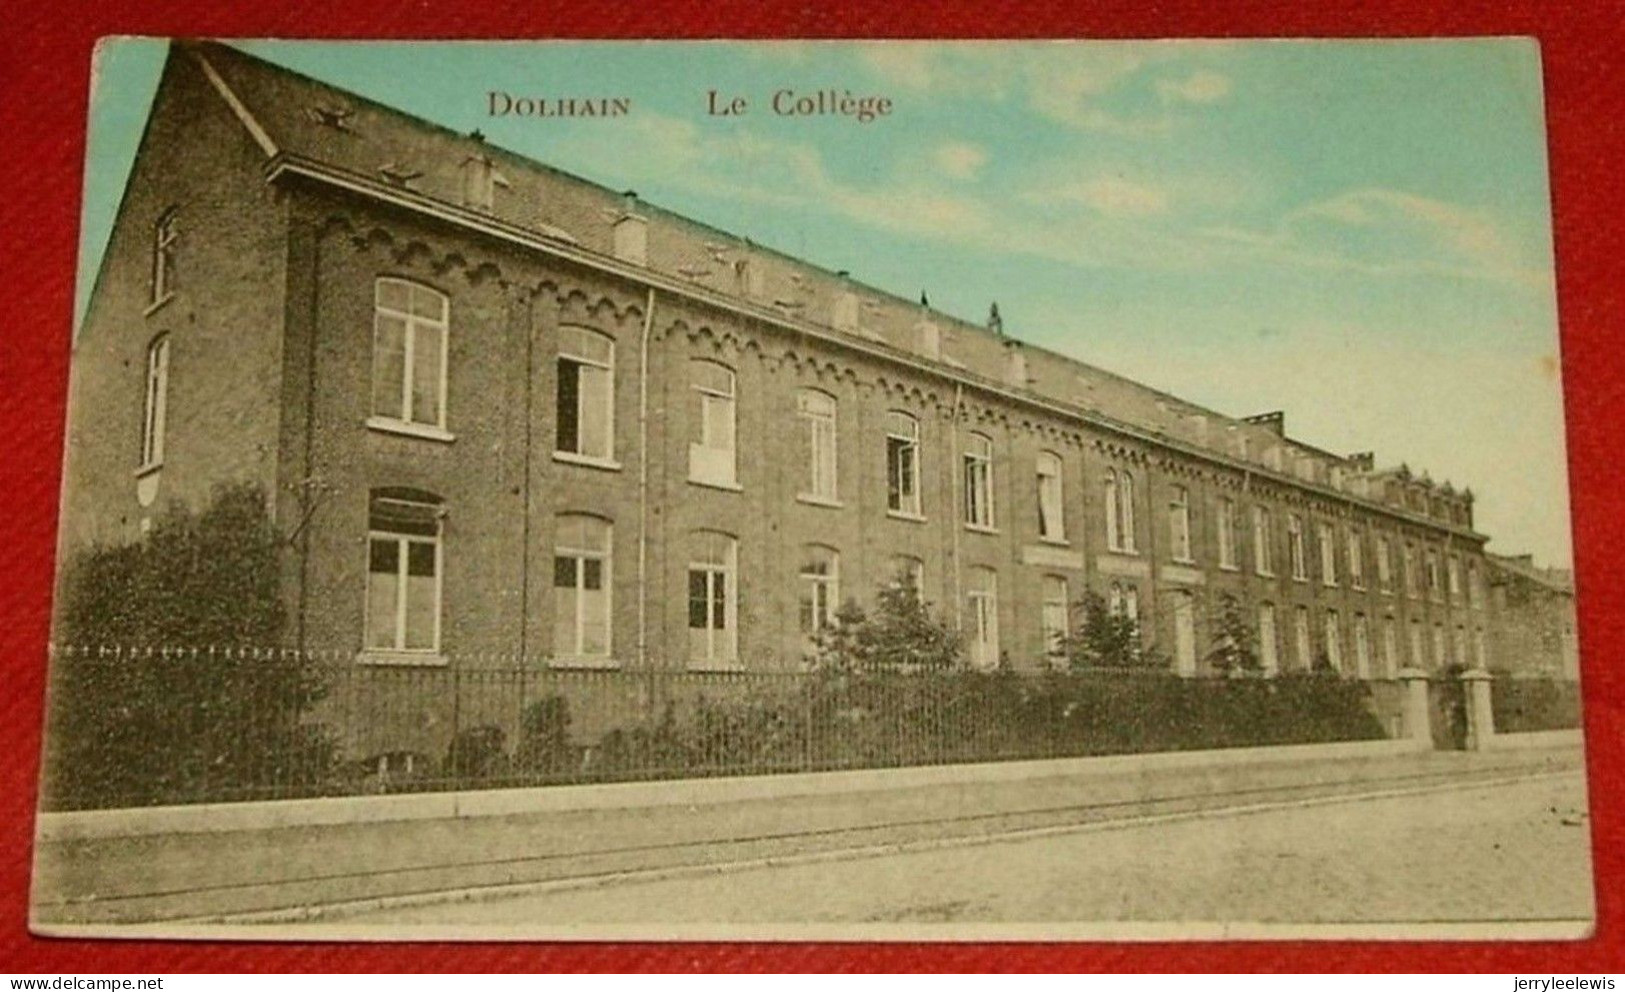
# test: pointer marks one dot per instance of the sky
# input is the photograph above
(1355, 232)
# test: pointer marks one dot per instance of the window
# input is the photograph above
(1356, 559)
(820, 588)
(586, 394)
(1434, 586)
(1179, 524)
(1326, 538)
(1390, 647)
(1385, 566)
(1481, 654)
(1475, 586)
(1053, 618)
(1119, 511)
(1300, 637)
(409, 333)
(816, 411)
(1440, 659)
(581, 587)
(1334, 641)
(155, 407)
(403, 571)
(1268, 649)
(1051, 514)
(908, 572)
(1362, 646)
(1227, 533)
(1409, 565)
(1263, 542)
(1419, 658)
(1294, 536)
(902, 464)
(164, 235)
(711, 458)
(982, 616)
(712, 600)
(1453, 570)
(979, 481)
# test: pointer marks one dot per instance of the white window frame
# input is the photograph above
(578, 357)
(1302, 638)
(1050, 470)
(581, 556)
(710, 462)
(1269, 646)
(165, 235)
(822, 589)
(1334, 640)
(1385, 564)
(1390, 646)
(1227, 533)
(1179, 526)
(1362, 646)
(402, 414)
(1453, 576)
(155, 404)
(1297, 552)
(977, 461)
(1326, 537)
(982, 609)
(903, 435)
(1052, 619)
(721, 643)
(403, 542)
(1263, 541)
(818, 412)
(1356, 552)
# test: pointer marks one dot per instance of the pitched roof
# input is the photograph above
(297, 115)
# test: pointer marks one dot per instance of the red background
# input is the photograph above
(44, 60)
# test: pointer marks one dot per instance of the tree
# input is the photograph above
(1233, 652)
(169, 681)
(903, 633)
(1102, 638)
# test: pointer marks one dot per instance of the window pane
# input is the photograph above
(713, 378)
(564, 572)
(421, 608)
(388, 365)
(592, 574)
(719, 600)
(420, 559)
(393, 294)
(595, 412)
(595, 620)
(698, 598)
(426, 344)
(718, 422)
(428, 303)
(564, 613)
(383, 587)
(568, 408)
(894, 473)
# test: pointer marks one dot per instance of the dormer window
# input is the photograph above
(480, 181)
(164, 235)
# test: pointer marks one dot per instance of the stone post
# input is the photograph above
(1480, 713)
(1414, 719)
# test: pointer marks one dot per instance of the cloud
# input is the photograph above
(1203, 86)
(1392, 232)
(960, 159)
(1116, 196)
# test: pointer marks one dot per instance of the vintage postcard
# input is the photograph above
(896, 490)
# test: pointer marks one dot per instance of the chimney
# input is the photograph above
(1015, 365)
(631, 232)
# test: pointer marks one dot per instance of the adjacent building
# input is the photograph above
(504, 412)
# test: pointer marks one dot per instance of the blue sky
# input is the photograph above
(1358, 233)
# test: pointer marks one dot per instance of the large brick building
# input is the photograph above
(504, 411)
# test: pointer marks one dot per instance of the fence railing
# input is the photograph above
(130, 728)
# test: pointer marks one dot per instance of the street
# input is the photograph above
(1503, 852)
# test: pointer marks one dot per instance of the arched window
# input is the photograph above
(1263, 541)
(1301, 639)
(1114, 519)
(902, 464)
(585, 407)
(1227, 533)
(1325, 536)
(979, 481)
(1179, 525)
(155, 407)
(711, 457)
(1125, 510)
(1385, 566)
(1334, 640)
(982, 616)
(1053, 618)
(409, 342)
(1295, 547)
(817, 412)
(1362, 646)
(403, 571)
(582, 588)
(1269, 658)
(713, 598)
(819, 587)
(165, 233)
(1390, 646)
(1051, 498)
(1356, 558)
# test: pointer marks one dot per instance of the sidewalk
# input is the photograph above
(131, 879)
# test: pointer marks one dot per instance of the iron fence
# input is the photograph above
(140, 727)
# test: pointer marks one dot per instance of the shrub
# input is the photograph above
(153, 697)
(544, 738)
(477, 753)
